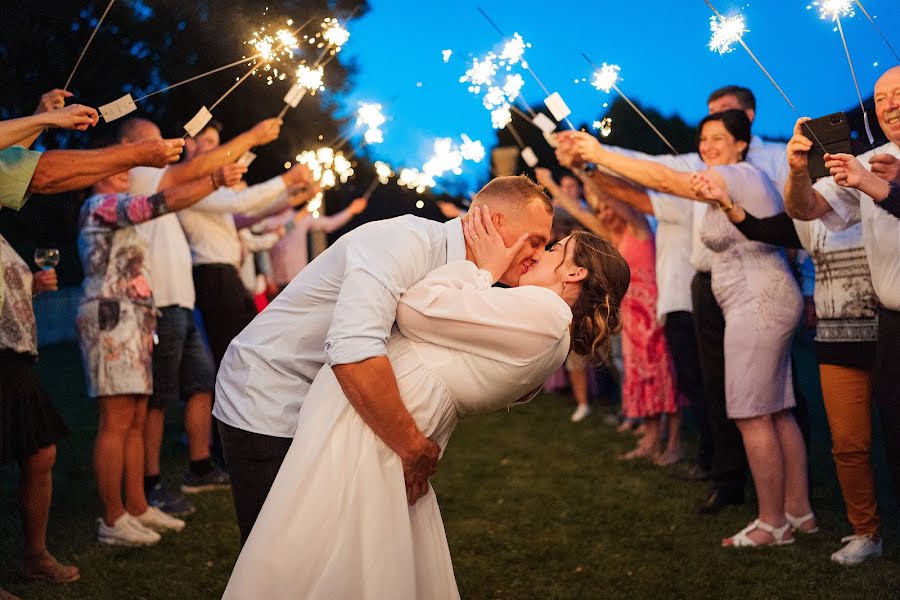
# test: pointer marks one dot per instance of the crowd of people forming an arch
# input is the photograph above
(696, 270)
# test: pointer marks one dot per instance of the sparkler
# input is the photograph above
(606, 78)
(878, 29)
(834, 10)
(310, 78)
(738, 37)
(726, 33)
(383, 174)
(513, 52)
(326, 166)
(86, 46)
(604, 126)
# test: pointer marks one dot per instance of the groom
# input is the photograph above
(340, 310)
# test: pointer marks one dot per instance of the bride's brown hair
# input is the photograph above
(595, 314)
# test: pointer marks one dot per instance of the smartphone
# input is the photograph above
(830, 131)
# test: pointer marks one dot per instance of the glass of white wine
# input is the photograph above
(46, 258)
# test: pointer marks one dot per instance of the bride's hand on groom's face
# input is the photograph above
(486, 243)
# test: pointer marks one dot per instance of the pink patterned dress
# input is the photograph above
(649, 383)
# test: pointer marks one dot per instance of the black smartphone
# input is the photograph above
(831, 132)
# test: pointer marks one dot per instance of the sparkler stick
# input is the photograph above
(835, 9)
(525, 65)
(371, 189)
(878, 29)
(86, 46)
(738, 38)
(611, 75)
(201, 76)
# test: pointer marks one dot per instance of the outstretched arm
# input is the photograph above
(65, 170)
(801, 201)
(204, 164)
(597, 198)
(621, 191)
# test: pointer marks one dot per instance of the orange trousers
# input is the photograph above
(847, 395)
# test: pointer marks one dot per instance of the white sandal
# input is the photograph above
(797, 523)
(742, 540)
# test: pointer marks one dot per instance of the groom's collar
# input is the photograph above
(456, 242)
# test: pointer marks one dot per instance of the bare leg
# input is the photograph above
(198, 424)
(579, 380)
(35, 494)
(116, 416)
(648, 446)
(153, 436)
(766, 460)
(796, 484)
(673, 452)
(135, 499)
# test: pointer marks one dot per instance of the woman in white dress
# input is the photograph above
(336, 523)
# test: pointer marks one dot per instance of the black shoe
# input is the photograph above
(719, 499)
(692, 473)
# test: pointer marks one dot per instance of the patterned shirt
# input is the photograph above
(18, 329)
(112, 251)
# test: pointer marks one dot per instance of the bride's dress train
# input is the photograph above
(336, 523)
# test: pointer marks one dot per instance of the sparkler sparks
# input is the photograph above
(310, 78)
(326, 166)
(514, 50)
(471, 150)
(513, 86)
(481, 73)
(446, 54)
(834, 9)
(334, 33)
(370, 116)
(606, 77)
(272, 49)
(726, 33)
(383, 171)
(501, 117)
(604, 126)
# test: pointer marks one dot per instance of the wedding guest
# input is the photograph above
(846, 331)
(182, 367)
(853, 196)
(761, 304)
(563, 225)
(29, 424)
(116, 328)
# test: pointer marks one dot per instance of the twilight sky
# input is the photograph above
(659, 44)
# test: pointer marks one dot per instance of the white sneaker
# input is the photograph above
(580, 413)
(859, 548)
(157, 520)
(126, 531)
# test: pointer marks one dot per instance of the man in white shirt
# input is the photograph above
(181, 364)
(840, 206)
(290, 254)
(341, 309)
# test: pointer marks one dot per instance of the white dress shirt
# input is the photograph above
(881, 230)
(291, 254)
(209, 224)
(169, 256)
(339, 310)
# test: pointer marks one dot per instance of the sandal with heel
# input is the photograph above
(742, 540)
(797, 523)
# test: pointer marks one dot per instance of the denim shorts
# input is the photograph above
(182, 365)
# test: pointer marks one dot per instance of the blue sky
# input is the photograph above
(659, 44)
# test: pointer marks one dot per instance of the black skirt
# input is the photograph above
(28, 421)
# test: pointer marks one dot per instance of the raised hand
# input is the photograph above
(886, 166)
(486, 244)
(76, 117)
(707, 191)
(846, 170)
(52, 100)
(297, 176)
(798, 148)
(358, 205)
(266, 131)
(581, 145)
(229, 175)
(159, 153)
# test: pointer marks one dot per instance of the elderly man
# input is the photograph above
(182, 368)
(850, 196)
(341, 309)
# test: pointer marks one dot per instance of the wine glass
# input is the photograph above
(46, 258)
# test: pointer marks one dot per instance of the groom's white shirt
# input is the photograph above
(340, 309)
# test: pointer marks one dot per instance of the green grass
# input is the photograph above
(534, 507)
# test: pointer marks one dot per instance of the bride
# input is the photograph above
(336, 523)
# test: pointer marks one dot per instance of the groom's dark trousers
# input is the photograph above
(253, 461)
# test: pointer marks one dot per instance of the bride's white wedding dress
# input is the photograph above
(336, 524)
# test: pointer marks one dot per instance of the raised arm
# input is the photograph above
(643, 172)
(24, 130)
(65, 170)
(204, 164)
(801, 201)
(332, 223)
(598, 198)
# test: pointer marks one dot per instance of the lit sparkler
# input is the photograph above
(604, 126)
(606, 77)
(471, 150)
(334, 34)
(514, 50)
(326, 166)
(834, 9)
(726, 32)
(481, 73)
(446, 54)
(501, 117)
(383, 172)
(310, 78)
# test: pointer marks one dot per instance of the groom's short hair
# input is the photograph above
(514, 191)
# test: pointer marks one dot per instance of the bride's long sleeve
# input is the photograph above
(456, 307)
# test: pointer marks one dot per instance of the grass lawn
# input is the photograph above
(534, 507)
